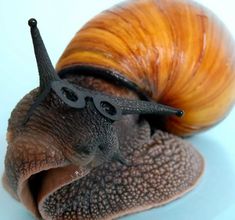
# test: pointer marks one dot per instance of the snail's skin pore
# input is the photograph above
(47, 174)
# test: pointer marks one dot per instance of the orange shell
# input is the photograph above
(176, 51)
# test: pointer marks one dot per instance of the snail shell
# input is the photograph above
(178, 54)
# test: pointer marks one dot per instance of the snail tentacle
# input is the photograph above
(46, 70)
(146, 107)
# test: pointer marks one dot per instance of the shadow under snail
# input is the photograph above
(92, 141)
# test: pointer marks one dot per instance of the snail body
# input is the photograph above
(177, 53)
(81, 146)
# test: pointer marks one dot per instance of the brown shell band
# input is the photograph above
(106, 74)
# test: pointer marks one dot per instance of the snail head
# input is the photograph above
(78, 119)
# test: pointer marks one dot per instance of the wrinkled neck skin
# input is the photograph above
(85, 137)
(127, 122)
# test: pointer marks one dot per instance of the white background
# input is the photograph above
(214, 198)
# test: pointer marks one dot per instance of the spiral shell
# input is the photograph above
(175, 51)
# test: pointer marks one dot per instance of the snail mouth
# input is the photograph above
(38, 186)
(44, 183)
(35, 184)
(47, 181)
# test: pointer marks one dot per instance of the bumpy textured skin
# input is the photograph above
(162, 167)
(176, 51)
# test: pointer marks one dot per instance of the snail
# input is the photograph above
(87, 143)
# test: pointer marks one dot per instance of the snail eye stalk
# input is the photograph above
(147, 107)
(46, 70)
